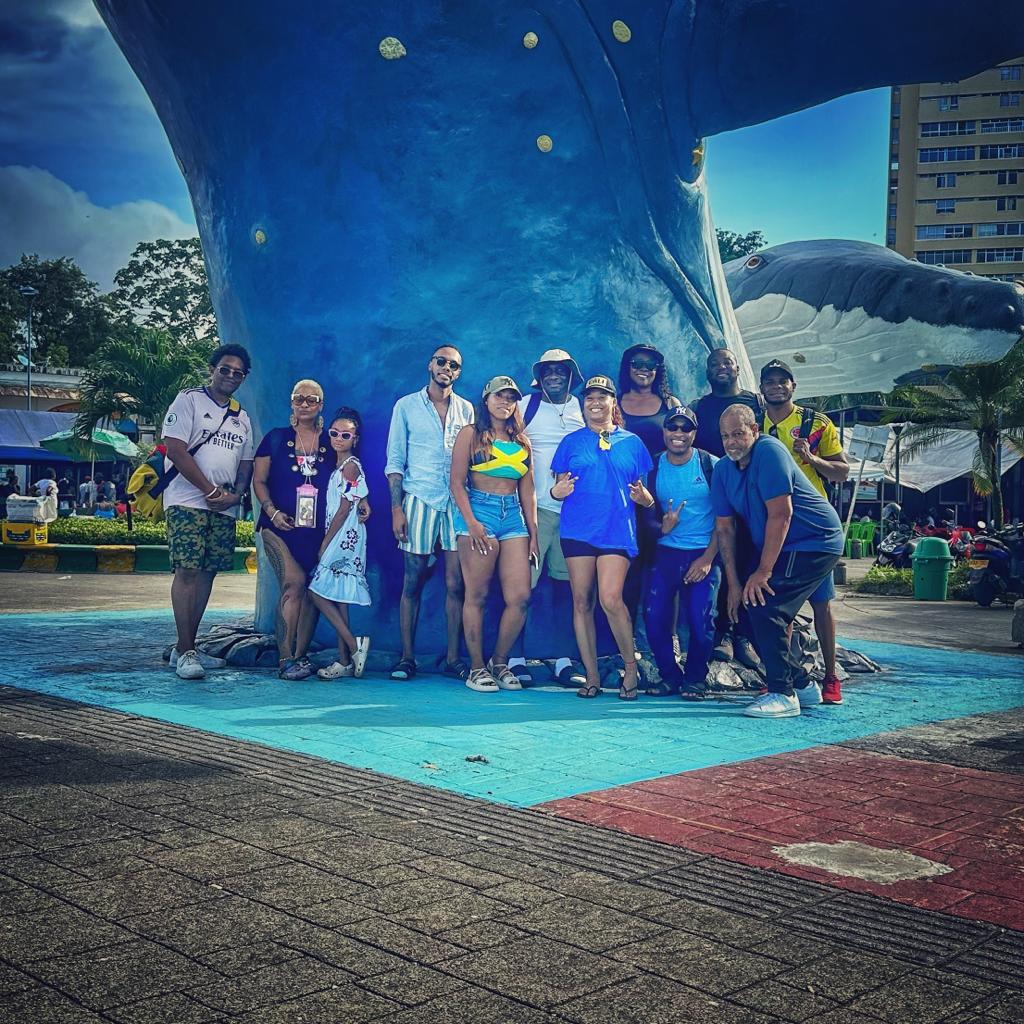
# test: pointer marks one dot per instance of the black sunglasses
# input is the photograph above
(345, 435)
(684, 427)
(227, 371)
(639, 363)
(452, 363)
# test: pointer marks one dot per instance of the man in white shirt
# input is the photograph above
(550, 413)
(47, 484)
(209, 443)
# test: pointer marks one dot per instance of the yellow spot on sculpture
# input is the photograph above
(259, 236)
(544, 143)
(391, 48)
(698, 153)
(530, 40)
(621, 31)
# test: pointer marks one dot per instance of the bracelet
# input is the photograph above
(277, 512)
(553, 496)
(213, 492)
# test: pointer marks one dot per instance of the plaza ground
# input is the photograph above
(825, 869)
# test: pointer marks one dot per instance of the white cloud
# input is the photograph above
(41, 214)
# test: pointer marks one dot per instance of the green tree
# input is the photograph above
(137, 375)
(731, 246)
(986, 398)
(68, 314)
(164, 286)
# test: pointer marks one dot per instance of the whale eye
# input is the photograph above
(753, 263)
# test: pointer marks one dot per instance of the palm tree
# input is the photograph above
(986, 398)
(137, 375)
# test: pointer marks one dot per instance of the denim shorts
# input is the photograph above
(500, 514)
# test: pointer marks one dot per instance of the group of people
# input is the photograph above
(637, 500)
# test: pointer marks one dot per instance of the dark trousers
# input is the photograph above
(746, 559)
(797, 574)
(696, 604)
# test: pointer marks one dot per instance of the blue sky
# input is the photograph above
(86, 171)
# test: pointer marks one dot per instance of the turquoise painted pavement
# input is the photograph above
(539, 745)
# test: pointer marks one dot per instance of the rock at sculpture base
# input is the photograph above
(1017, 627)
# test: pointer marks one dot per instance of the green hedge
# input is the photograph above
(89, 530)
(900, 582)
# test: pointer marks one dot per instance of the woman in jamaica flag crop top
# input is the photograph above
(496, 523)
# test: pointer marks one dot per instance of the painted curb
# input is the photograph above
(102, 558)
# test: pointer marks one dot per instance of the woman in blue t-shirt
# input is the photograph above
(599, 471)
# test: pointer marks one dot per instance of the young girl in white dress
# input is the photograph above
(340, 576)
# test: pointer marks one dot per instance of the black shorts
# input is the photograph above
(581, 549)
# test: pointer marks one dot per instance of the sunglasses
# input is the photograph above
(453, 364)
(344, 435)
(306, 399)
(644, 364)
(681, 428)
(226, 371)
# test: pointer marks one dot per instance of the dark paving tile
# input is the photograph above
(412, 985)
(169, 1008)
(923, 997)
(787, 946)
(655, 1001)
(216, 860)
(343, 951)
(373, 877)
(282, 830)
(270, 986)
(24, 899)
(473, 1006)
(12, 980)
(606, 892)
(57, 931)
(291, 885)
(247, 959)
(106, 859)
(482, 935)
(405, 896)
(701, 919)
(1007, 1007)
(342, 1003)
(122, 897)
(121, 974)
(44, 1006)
(783, 1001)
(349, 851)
(692, 960)
(584, 924)
(394, 938)
(845, 974)
(456, 870)
(454, 912)
(333, 913)
(521, 895)
(538, 971)
(37, 871)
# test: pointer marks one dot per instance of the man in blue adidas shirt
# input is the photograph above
(684, 560)
(799, 537)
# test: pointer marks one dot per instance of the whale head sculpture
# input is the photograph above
(370, 180)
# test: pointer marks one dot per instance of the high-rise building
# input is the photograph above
(956, 172)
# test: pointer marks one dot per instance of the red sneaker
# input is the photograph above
(831, 690)
(762, 690)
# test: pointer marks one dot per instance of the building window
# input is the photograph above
(894, 165)
(945, 180)
(1013, 227)
(940, 155)
(1001, 255)
(1006, 151)
(1010, 74)
(1009, 99)
(949, 103)
(932, 129)
(892, 211)
(927, 231)
(1006, 203)
(890, 236)
(1006, 177)
(1001, 125)
(945, 206)
(895, 137)
(944, 257)
(895, 110)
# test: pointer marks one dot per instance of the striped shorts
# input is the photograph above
(427, 527)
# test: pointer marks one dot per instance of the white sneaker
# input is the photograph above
(482, 681)
(336, 671)
(206, 660)
(359, 655)
(773, 705)
(188, 666)
(809, 695)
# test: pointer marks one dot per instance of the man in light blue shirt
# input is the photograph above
(684, 559)
(419, 460)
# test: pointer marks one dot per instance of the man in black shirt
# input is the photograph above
(723, 374)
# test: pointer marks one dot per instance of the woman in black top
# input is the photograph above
(645, 396)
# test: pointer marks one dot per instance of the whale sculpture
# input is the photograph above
(372, 179)
(852, 316)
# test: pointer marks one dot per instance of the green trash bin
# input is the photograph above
(931, 561)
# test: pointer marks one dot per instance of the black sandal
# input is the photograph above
(588, 692)
(456, 669)
(629, 694)
(663, 689)
(404, 669)
(689, 693)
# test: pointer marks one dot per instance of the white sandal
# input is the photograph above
(359, 655)
(504, 676)
(482, 681)
(335, 671)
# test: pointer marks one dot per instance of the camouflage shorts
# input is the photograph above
(199, 539)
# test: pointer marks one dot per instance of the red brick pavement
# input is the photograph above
(970, 820)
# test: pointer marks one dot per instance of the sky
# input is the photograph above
(86, 170)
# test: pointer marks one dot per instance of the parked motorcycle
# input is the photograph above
(997, 564)
(897, 548)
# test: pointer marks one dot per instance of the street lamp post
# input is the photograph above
(897, 429)
(29, 294)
